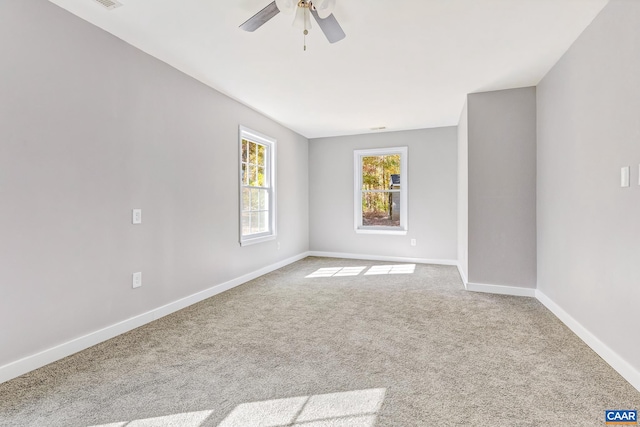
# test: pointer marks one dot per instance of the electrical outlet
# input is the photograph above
(136, 280)
(413, 242)
(136, 216)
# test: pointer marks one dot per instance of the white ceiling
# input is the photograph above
(403, 65)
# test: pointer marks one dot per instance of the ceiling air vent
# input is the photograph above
(109, 4)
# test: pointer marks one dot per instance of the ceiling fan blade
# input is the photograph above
(257, 20)
(329, 27)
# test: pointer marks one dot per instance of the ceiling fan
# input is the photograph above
(320, 9)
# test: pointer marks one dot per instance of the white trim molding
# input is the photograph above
(462, 275)
(623, 367)
(494, 289)
(269, 186)
(358, 156)
(382, 258)
(501, 290)
(38, 360)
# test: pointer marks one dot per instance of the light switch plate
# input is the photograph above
(136, 280)
(624, 176)
(136, 216)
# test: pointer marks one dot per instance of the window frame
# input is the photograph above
(358, 155)
(245, 133)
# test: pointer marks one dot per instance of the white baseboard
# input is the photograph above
(29, 363)
(35, 361)
(502, 290)
(382, 258)
(462, 276)
(623, 367)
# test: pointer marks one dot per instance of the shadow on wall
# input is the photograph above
(352, 408)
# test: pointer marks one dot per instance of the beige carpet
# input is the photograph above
(373, 344)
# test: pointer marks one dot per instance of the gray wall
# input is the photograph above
(588, 226)
(432, 195)
(89, 129)
(463, 193)
(502, 187)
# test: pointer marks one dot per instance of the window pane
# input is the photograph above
(261, 177)
(256, 177)
(255, 222)
(377, 171)
(244, 174)
(253, 172)
(264, 221)
(246, 199)
(264, 200)
(261, 152)
(244, 150)
(246, 223)
(253, 155)
(255, 199)
(381, 209)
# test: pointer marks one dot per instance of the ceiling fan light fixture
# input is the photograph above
(302, 20)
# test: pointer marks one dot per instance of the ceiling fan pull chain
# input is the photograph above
(305, 39)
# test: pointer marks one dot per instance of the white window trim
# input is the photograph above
(404, 191)
(252, 135)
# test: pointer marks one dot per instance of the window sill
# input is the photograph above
(255, 240)
(382, 230)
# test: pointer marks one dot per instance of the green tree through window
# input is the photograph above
(378, 190)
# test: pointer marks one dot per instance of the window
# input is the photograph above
(380, 195)
(257, 187)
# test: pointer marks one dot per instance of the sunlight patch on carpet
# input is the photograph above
(336, 272)
(349, 409)
(357, 408)
(186, 419)
(376, 270)
(391, 269)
